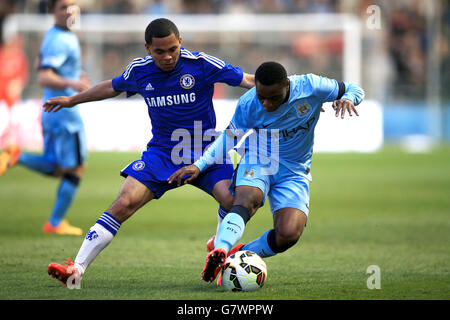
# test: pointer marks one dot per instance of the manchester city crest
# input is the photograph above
(249, 173)
(302, 108)
(187, 81)
(138, 165)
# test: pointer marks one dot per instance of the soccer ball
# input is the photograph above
(244, 271)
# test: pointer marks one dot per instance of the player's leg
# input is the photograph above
(70, 154)
(247, 200)
(288, 227)
(42, 163)
(223, 195)
(216, 182)
(249, 192)
(45, 163)
(289, 200)
(132, 196)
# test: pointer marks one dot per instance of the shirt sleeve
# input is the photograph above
(329, 90)
(323, 88)
(126, 81)
(354, 93)
(217, 70)
(53, 55)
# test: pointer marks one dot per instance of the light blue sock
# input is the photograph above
(260, 246)
(38, 163)
(64, 198)
(230, 231)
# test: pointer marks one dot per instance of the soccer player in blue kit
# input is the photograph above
(65, 148)
(283, 112)
(177, 86)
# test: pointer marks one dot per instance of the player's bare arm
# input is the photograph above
(192, 170)
(50, 79)
(344, 105)
(248, 81)
(101, 91)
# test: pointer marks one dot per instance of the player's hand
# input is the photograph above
(343, 105)
(57, 103)
(192, 170)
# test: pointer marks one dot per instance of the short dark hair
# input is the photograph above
(51, 4)
(269, 73)
(160, 28)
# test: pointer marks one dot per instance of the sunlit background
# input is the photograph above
(398, 51)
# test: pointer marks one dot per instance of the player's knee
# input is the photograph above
(123, 203)
(227, 201)
(249, 200)
(288, 237)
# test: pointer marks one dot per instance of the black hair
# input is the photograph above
(160, 28)
(270, 73)
(51, 4)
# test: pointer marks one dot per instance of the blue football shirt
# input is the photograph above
(60, 51)
(285, 135)
(179, 102)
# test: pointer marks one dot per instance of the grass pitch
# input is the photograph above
(390, 209)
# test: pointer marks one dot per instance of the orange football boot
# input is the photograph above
(8, 158)
(233, 250)
(63, 272)
(63, 228)
(214, 262)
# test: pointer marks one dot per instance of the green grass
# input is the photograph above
(390, 209)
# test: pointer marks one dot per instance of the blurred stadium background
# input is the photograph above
(397, 50)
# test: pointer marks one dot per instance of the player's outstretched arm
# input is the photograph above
(101, 91)
(248, 81)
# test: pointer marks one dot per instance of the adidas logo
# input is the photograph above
(149, 87)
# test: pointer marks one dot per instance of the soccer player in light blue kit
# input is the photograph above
(177, 86)
(283, 112)
(65, 149)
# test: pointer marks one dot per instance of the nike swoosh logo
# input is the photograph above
(265, 126)
(234, 224)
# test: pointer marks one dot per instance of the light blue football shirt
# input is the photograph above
(60, 51)
(285, 135)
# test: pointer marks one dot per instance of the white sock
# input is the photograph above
(97, 238)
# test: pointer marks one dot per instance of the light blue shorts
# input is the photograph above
(285, 189)
(67, 149)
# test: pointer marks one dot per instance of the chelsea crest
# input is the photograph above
(187, 81)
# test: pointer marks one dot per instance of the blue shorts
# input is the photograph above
(285, 189)
(156, 166)
(67, 149)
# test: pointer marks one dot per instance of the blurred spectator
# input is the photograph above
(157, 7)
(399, 48)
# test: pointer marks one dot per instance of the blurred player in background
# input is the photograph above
(65, 148)
(285, 110)
(177, 86)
